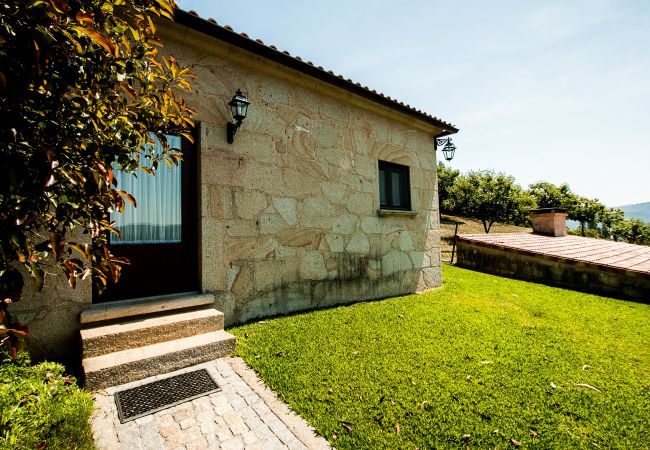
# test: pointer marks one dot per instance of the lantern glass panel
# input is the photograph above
(242, 109)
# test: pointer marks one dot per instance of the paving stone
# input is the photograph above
(237, 402)
(202, 404)
(219, 399)
(249, 437)
(128, 433)
(296, 445)
(252, 399)
(233, 444)
(223, 431)
(182, 412)
(254, 421)
(223, 410)
(197, 444)
(191, 434)
(187, 423)
(144, 420)
(150, 436)
(245, 414)
(166, 425)
(273, 443)
(175, 441)
(235, 423)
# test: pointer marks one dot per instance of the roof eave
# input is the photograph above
(204, 26)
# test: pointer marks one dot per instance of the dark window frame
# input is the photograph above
(403, 173)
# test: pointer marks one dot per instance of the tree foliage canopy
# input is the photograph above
(446, 178)
(489, 197)
(494, 197)
(83, 84)
(548, 195)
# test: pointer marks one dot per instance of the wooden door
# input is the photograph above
(160, 236)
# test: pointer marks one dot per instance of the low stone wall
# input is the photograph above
(554, 271)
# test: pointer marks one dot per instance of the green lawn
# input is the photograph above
(477, 363)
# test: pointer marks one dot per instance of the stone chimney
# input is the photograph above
(549, 221)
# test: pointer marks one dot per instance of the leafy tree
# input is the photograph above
(446, 178)
(586, 211)
(489, 197)
(608, 219)
(548, 195)
(634, 231)
(82, 85)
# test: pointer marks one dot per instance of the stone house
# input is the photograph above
(328, 195)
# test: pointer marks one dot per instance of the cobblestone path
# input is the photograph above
(245, 414)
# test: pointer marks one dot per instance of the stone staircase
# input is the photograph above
(134, 339)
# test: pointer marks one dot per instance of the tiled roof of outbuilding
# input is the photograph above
(600, 253)
(227, 34)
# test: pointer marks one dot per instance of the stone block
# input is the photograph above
(273, 273)
(275, 91)
(344, 224)
(362, 204)
(251, 248)
(241, 228)
(334, 192)
(419, 259)
(257, 146)
(371, 225)
(224, 169)
(220, 201)
(335, 242)
(316, 207)
(358, 244)
(395, 261)
(321, 223)
(366, 167)
(299, 184)
(249, 204)
(287, 208)
(312, 266)
(405, 241)
(267, 178)
(271, 224)
(307, 239)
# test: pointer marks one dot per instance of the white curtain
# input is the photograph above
(157, 218)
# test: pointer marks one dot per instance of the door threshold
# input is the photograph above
(102, 312)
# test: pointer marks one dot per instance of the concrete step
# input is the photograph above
(156, 359)
(101, 340)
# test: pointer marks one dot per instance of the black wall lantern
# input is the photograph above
(449, 149)
(238, 109)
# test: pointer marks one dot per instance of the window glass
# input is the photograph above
(395, 185)
(382, 187)
(394, 188)
(158, 216)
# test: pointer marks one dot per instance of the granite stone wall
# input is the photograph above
(289, 212)
(289, 215)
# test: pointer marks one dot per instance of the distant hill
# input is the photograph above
(637, 211)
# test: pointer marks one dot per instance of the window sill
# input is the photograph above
(396, 212)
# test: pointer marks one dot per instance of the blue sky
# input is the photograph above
(542, 90)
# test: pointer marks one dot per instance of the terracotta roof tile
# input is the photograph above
(599, 252)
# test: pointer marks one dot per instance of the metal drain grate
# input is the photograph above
(152, 397)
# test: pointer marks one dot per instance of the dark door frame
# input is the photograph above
(158, 269)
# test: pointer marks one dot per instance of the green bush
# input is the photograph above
(40, 407)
